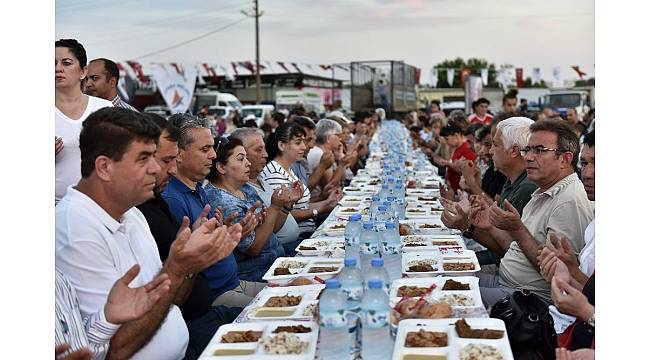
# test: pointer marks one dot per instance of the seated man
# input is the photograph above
(202, 319)
(100, 234)
(186, 197)
(253, 140)
(328, 138)
(560, 205)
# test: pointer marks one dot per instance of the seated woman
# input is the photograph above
(287, 147)
(229, 190)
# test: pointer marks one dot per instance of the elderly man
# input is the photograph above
(301, 167)
(559, 206)
(253, 140)
(186, 197)
(510, 137)
(202, 319)
(100, 234)
(102, 79)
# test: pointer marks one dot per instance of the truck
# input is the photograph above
(386, 84)
(309, 99)
(561, 100)
(259, 111)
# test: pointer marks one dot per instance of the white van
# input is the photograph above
(215, 98)
(259, 111)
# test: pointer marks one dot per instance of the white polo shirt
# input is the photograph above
(93, 250)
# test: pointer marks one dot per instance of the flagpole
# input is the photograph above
(258, 79)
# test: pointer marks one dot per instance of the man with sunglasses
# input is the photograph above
(559, 206)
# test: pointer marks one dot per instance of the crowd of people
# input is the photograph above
(164, 227)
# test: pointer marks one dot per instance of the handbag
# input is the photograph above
(529, 325)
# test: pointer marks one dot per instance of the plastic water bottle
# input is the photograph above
(373, 207)
(381, 218)
(383, 193)
(334, 339)
(391, 252)
(377, 271)
(376, 342)
(369, 246)
(352, 234)
(352, 287)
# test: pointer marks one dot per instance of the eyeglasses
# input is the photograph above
(537, 150)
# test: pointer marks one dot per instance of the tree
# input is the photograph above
(528, 83)
(473, 64)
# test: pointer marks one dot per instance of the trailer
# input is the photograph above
(383, 84)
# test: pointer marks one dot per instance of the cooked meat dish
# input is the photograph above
(322, 269)
(307, 247)
(424, 338)
(281, 271)
(285, 300)
(241, 336)
(300, 329)
(465, 331)
(421, 268)
(458, 266)
(430, 226)
(414, 244)
(454, 285)
(406, 290)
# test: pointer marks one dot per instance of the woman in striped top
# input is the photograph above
(288, 145)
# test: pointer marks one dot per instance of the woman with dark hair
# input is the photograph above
(229, 189)
(72, 107)
(288, 146)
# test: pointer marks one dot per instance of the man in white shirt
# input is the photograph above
(100, 234)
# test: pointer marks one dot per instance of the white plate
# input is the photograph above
(466, 256)
(302, 272)
(432, 242)
(454, 343)
(474, 292)
(323, 246)
(329, 229)
(258, 349)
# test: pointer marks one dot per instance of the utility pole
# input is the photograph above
(258, 81)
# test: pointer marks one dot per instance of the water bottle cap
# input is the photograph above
(375, 198)
(374, 284)
(351, 262)
(391, 179)
(384, 186)
(332, 284)
(367, 225)
(377, 262)
(390, 198)
(382, 207)
(387, 204)
(390, 225)
(355, 217)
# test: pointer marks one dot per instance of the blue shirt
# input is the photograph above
(184, 201)
(251, 268)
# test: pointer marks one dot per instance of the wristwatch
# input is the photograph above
(314, 213)
(592, 321)
(469, 233)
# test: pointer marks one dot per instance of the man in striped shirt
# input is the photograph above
(102, 79)
(89, 337)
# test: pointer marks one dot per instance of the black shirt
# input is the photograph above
(493, 181)
(164, 227)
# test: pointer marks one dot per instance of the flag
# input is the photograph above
(234, 68)
(176, 89)
(297, 68)
(450, 77)
(484, 76)
(557, 77)
(520, 77)
(417, 75)
(434, 77)
(580, 72)
(282, 65)
(138, 69)
(537, 76)
(211, 73)
(326, 67)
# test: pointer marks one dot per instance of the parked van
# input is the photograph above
(215, 98)
(310, 100)
(259, 111)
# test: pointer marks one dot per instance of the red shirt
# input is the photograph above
(463, 151)
(474, 119)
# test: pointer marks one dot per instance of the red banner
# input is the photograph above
(519, 73)
(417, 75)
(234, 68)
(210, 70)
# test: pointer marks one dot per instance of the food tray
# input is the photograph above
(346, 211)
(455, 343)
(354, 201)
(260, 311)
(466, 256)
(423, 226)
(437, 294)
(359, 190)
(335, 228)
(324, 246)
(298, 272)
(432, 242)
(418, 213)
(421, 192)
(256, 349)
